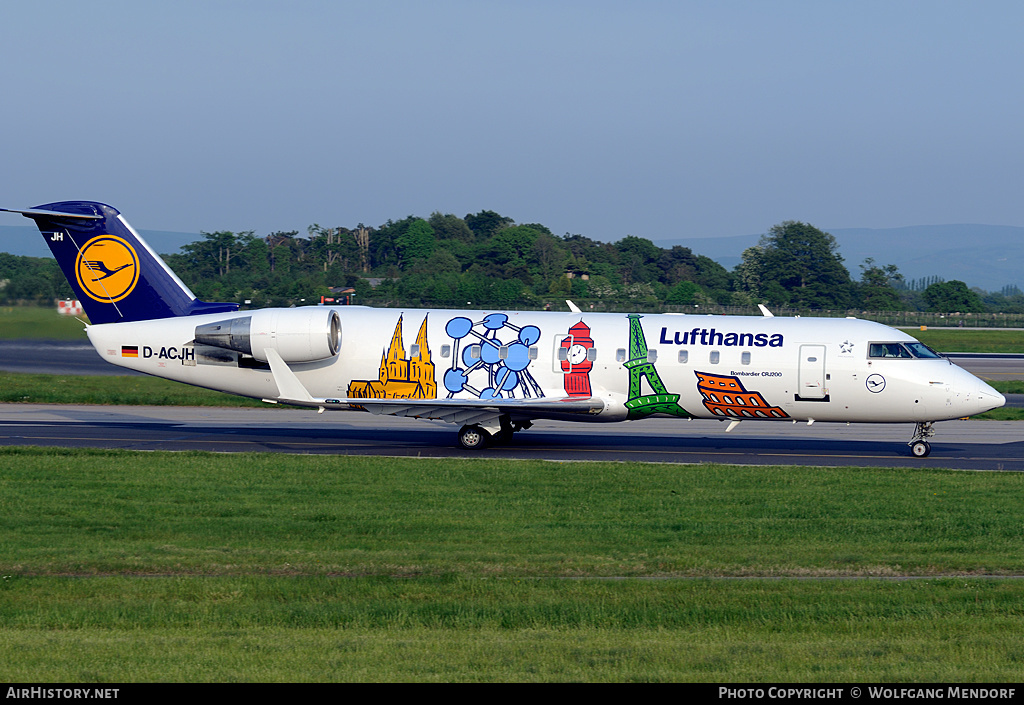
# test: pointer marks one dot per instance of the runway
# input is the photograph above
(971, 445)
(966, 445)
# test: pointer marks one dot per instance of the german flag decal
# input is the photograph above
(129, 351)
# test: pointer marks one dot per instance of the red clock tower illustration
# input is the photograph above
(577, 363)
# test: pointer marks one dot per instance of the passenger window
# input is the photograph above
(533, 353)
(745, 358)
(474, 352)
(592, 354)
(446, 350)
(561, 352)
(620, 355)
(414, 350)
(684, 355)
(715, 356)
(652, 355)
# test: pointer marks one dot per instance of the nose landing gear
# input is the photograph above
(919, 447)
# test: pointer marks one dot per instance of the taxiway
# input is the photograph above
(966, 445)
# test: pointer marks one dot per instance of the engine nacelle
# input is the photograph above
(297, 334)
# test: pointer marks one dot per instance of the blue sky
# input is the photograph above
(656, 119)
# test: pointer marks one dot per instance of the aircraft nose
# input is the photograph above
(985, 399)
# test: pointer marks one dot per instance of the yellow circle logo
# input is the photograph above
(107, 268)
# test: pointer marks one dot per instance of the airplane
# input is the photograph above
(495, 372)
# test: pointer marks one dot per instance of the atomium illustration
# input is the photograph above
(491, 368)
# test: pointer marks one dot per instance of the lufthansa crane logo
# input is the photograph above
(107, 268)
(875, 383)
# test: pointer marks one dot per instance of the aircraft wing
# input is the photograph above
(480, 411)
(458, 411)
(462, 411)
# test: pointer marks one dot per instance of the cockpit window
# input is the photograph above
(904, 351)
(923, 351)
(888, 350)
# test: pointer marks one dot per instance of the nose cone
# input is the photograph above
(985, 399)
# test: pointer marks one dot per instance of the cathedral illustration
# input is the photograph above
(401, 377)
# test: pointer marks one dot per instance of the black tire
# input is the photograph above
(473, 438)
(920, 449)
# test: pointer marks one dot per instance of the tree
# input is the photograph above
(805, 263)
(713, 277)
(877, 288)
(486, 224)
(384, 242)
(638, 259)
(952, 297)
(510, 252)
(683, 293)
(416, 244)
(279, 247)
(334, 247)
(550, 256)
(749, 271)
(217, 254)
(677, 264)
(450, 227)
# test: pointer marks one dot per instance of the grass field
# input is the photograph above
(39, 324)
(188, 567)
(121, 566)
(132, 390)
(973, 341)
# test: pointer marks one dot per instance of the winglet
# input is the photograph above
(765, 312)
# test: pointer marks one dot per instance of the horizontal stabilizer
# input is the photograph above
(36, 213)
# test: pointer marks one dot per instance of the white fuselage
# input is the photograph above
(684, 365)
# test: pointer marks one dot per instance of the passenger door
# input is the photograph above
(811, 374)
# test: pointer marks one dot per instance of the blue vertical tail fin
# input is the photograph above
(112, 270)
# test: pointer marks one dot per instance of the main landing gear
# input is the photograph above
(920, 447)
(477, 437)
(473, 437)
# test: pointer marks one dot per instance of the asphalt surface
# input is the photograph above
(967, 445)
(970, 445)
(55, 357)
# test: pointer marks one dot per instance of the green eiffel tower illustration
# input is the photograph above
(640, 405)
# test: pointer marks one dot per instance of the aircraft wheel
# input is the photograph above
(920, 449)
(473, 438)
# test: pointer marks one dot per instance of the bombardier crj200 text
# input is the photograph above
(492, 372)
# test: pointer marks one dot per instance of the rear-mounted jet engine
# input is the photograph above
(297, 334)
